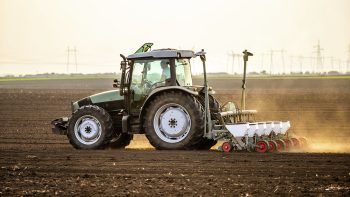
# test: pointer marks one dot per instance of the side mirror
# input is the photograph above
(123, 67)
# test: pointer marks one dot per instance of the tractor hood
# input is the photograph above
(109, 100)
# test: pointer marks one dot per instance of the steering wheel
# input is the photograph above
(147, 83)
(153, 85)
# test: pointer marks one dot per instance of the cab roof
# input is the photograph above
(163, 53)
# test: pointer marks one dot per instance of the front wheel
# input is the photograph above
(174, 121)
(90, 128)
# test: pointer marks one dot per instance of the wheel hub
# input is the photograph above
(87, 129)
(172, 123)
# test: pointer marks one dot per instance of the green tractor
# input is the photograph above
(156, 97)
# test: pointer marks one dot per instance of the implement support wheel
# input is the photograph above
(303, 142)
(226, 147)
(273, 146)
(296, 143)
(281, 146)
(262, 146)
(289, 144)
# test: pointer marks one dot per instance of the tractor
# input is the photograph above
(155, 96)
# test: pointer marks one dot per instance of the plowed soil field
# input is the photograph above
(33, 161)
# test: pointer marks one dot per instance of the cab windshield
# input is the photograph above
(149, 74)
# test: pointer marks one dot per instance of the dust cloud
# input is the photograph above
(140, 142)
(327, 144)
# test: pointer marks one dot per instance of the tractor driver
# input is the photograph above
(166, 70)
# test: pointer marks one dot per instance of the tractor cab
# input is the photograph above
(147, 72)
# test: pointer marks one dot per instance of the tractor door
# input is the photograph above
(146, 76)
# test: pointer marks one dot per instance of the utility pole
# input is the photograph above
(301, 58)
(291, 64)
(227, 61)
(271, 61)
(233, 56)
(74, 53)
(68, 53)
(319, 62)
(282, 51)
(75, 58)
(262, 62)
(332, 63)
(301, 63)
(283, 64)
(348, 61)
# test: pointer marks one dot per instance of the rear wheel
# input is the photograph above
(174, 120)
(90, 128)
(121, 140)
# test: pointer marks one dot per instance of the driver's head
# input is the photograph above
(164, 63)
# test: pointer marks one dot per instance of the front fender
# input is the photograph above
(108, 100)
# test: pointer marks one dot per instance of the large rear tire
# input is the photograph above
(120, 141)
(174, 121)
(90, 128)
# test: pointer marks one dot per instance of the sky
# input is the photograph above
(35, 34)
